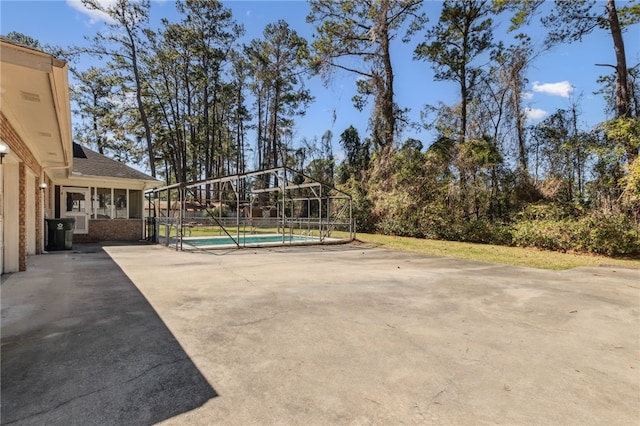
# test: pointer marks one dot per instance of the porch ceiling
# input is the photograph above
(34, 96)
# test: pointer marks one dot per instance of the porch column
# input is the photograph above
(1, 214)
(39, 194)
(10, 217)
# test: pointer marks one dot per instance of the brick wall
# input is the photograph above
(111, 230)
(22, 218)
(27, 160)
(17, 146)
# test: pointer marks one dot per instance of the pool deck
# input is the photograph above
(137, 334)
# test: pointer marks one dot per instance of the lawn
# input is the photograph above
(491, 253)
(518, 256)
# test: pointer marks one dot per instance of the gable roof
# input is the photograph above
(90, 163)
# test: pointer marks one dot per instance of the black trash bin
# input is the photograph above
(60, 233)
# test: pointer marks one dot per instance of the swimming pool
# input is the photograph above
(248, 240)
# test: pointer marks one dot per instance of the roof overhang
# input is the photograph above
(76, 179)
(34, 96)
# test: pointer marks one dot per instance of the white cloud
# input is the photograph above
(533, 114)
(95, 16)
(561, 88)
(527, 95)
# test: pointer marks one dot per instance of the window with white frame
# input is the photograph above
(120, 204)
(135, 204)
(116, 203)
(102, 204)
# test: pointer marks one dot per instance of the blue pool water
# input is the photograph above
(246, 240)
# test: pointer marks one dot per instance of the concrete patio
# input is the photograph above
(136, 334)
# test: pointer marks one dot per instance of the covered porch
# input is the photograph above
(103, 196)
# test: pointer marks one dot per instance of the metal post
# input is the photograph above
(167, 226)
(308, 216)
(236, 189)
(284, 185)
(329, 224)
(351, 221)
(320, 215)
(181, 191)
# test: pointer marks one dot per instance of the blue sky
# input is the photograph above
(567, 72)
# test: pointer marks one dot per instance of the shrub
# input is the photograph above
(545, 234)
(362, 207)
(614, 235)
(217, 212)
(550, 211)
(481, 231)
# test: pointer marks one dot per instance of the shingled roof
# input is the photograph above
(90, 163)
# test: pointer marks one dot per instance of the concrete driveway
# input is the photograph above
(315, 335)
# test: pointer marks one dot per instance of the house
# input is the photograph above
(43, 174)
(104, 196)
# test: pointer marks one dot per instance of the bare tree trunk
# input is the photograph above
(388, 113)
(141, 108)
(519, 117)
(623, 102)
(623, 98)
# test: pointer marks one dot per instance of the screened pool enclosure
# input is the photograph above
(271, 207)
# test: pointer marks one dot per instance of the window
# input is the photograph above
(116, 203)
(120, 203)
(135, 204)
(75, 202)
(103, 203)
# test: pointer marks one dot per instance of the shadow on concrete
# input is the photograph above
(81, 345)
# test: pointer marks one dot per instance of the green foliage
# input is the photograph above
(473, 231)
(123, 43)
(104, 126)
(321, 169)
(463, 32)
(279, 62)
(24, 39)
(355, 36)
(572, 20)
(398, 186)
(219, 211)
(614, 235)
(486, 178)
(631, 185)
(624, 132)
(357, 154)
(629, 14)
(480, 152)
(399, 215)
(550, 212)
(523, 11)
(362, 206)
(544, 234)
